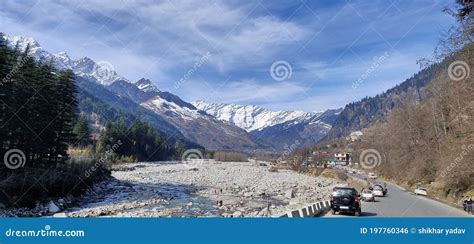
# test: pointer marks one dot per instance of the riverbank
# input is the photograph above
(210, 189)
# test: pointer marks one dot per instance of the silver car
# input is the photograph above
(367, 196)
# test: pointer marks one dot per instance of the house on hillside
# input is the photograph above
(329, 161)
(343, 158)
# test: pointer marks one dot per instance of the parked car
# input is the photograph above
(421, 191)
(378, 191)
(372, 176)
(367, 195)
(345, 200)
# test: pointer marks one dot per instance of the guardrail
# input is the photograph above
(308, 211)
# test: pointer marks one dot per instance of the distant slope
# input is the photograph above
(193, 124)
(274, 129)
(126, 105)
(198, 126)
(91, 100)
(297, 133)
(250, 117)
(361, 114)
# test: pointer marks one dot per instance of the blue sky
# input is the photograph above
(223, 51)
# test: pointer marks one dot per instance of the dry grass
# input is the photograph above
(26, 186)
(330, 173)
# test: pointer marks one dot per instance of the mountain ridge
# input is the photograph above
(275, 129)
(251, 117)
(172, 113)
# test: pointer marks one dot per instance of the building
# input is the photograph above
(343, 158)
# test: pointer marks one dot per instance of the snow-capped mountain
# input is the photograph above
(198, 126)
(251, 117)
(146, 85)
(298, 132)
(276, 129)
(101, 72)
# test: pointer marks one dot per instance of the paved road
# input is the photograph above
(399, 203)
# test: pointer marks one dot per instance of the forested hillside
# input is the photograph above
(423, 130)
(359, 115)
(431, 142)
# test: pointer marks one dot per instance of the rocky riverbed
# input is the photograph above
(199, 189)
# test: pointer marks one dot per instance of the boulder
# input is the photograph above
(52, 207)
(290, 194)
(237, 214)
(60, 215)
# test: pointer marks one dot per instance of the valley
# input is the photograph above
(79, 139)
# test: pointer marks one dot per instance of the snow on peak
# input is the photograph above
(23, 42)
(101, 72)
(251, 117)
(161, 106)
(146, 85)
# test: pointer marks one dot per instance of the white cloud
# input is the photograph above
(244, 91)
(162, 40)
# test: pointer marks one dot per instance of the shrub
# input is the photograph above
(230, 156)
(26, 186)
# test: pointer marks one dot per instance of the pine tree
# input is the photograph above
(5, 56)
(65, 111)
(82, 132)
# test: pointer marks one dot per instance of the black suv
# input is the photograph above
(345, 199)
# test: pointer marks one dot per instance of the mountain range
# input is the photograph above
(275, 129)
(104, 92)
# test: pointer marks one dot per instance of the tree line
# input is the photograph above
(37, 107)
(140, 142)
(55, 152)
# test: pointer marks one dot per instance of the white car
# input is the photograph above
(372, 176)
(367, 195)
(378, 191)
(421, 191)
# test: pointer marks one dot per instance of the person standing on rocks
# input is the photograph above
(469, 205)
(464, 203)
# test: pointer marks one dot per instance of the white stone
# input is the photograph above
(237, 214)
(52, 207)
(60, 215)
(290, 194)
